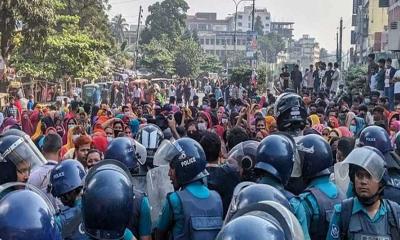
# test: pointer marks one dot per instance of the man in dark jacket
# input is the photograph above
(296, 77)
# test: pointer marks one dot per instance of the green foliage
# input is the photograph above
(210, 63)
(165, 18)
(188, 56)
(158, 57)
(355, 79)
(270, 44)
(258, 26)
(118, 27)
(241, 75)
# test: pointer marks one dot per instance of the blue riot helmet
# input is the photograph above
(254, 193)
(106, 200)
(17, 154)
(243, 156)
(66, 177)
(26, 214)
(376, 137)
(290, 112)
(150, 136)
(275, 156)
(263, 220)
(187, 157)
(316, 155)
(122, 150)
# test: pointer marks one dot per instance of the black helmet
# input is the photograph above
(275, 156)
(243, 156)
(290, 112)
(316, 155)
(187, 157)
(106, 200)
(16, 153)
(122, 150)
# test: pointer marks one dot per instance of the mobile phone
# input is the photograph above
(224, 120)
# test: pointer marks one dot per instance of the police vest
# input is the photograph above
(319, 226)
(135, 219)
(202, 217)
(71, 221)
(358, 226)
(392, 188)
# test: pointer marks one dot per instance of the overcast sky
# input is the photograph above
(318, 18)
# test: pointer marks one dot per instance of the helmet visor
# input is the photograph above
(165, 153)
(367, 159)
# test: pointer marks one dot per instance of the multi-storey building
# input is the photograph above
(304, 52)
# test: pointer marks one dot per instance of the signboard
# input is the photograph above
(251, 45)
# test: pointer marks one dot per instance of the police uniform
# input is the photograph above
(361, 225)
(141, 221)
(184, 205)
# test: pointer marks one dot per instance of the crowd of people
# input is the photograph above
(312, 162)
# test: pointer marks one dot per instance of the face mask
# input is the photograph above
(353, 129)
(109, 139)
(71, 126)
(202, 126)
(75, 136)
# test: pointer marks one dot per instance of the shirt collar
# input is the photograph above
(358, 207)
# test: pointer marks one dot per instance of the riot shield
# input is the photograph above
(158, 185)
(139, 182)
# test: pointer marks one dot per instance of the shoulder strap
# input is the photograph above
(345, 216)
(393, 218)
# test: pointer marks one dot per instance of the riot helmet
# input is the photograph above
(371, 160)
(243, 156)
(122, 150)
(316, 156)
(254, 193)
(26, 214)
(275, 156)
(290, 112)
(263, 220)
(186, 157)
(376, 137)
(141, 152)
(67, 176)
(107, 198)
(17, 154)
(150, 136)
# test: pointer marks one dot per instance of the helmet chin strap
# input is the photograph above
(369, 201)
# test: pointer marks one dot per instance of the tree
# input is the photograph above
(158, 57)
(270, 46)
(187, 58)
(118, 27)
(323, 54)
(29, 19)
(210, 64)
(258, 26)
(166, 18)
(241, 75)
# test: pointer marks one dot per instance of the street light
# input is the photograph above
(236, 12)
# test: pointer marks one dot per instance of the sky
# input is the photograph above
(318, 18)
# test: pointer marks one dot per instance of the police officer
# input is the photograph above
(106, 200)
(274, 165)
(193, 211)
(150, 136)
(26, 214)
(265, 220)
(291, 118)
(122, 150)
(378, 137)
(367, 215)
(320, 195)
(66, 181)
(18, 157)
(243, 156)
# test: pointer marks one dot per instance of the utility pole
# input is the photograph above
(253, 13)
(137, 36)
(340, 42)
(337, 46)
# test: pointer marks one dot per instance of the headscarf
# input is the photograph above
(269, 120)
(349, 117)
(100, 143)
(345, 132)
(8, 123)
(262, 101)
(314, 120)
(334, 122)
(27, 126)
(1, 118)
(206, 116)
(360, 125)
(319, 128)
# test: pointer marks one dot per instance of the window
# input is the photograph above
(267, 18)
(240, 16)
(218, 42)
(228, 42)
(267, 25)
(212, 41)
(207, 41)
(249, 18)
(201, 41)
(249, 25)
(239, 24)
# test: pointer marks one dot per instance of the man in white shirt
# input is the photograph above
(336, 78)
(41, 176)
(137, 93)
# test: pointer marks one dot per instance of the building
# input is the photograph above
(377, 23)
(304, 52)
(245, 19)
(283, 29)
(206, 22)
(393, 32)
(131, 34)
